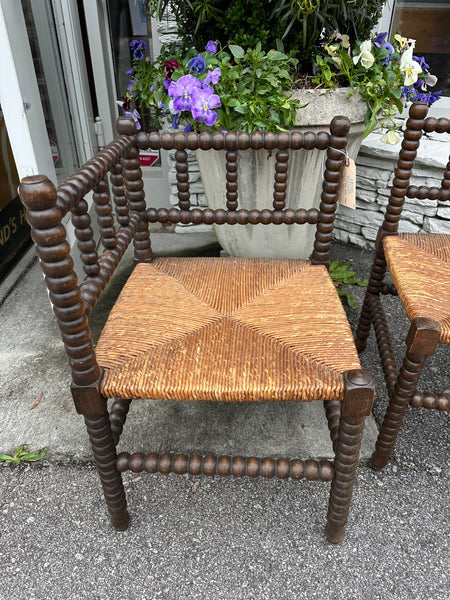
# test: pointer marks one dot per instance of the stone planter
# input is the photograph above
(255, 180)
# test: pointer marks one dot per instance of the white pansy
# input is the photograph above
(365, 55)
(390, 137)
(410, 67)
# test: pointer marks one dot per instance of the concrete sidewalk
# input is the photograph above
(219, 538)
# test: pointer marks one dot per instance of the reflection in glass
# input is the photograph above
(428, 24)
(40, 25)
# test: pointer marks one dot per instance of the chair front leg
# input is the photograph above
(357, 404)
(104, 450)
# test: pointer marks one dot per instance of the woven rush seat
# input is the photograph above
(420, 268)
(227, 329)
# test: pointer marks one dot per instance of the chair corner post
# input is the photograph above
(359, 392)
(88, 399)
(422, 338)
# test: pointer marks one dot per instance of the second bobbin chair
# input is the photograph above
(419, 264)
(215, 329)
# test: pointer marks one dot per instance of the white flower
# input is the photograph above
(365, 55)
(390, 137)
(431, 79)
(411, 68)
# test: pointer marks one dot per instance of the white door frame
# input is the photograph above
(19, 96)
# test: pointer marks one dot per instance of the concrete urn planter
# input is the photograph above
(256, 170)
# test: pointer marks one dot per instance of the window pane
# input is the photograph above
(428, 23)
(128, 20)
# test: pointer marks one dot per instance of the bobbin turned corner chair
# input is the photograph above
(218, 329)
(419, 264)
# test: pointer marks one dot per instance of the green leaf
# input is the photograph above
(20, 454)
(275, 55)
(237, 51)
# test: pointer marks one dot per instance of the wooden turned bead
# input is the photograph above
(244, 141)
(326, 470)
(289, 216)
(231, 218)
(242, 216)
(220, 216)
(165, 463)
(297, 140)
(208, 216)
(163, 215)
(151, 463)
(267, 467)
(238, 466)
(253, 216)
(122, 462)
(310, 469)
(180, 464)
(217, 140)
(313, 216)
(137, 462)
(224, 466)
(297, 469)
(266, 216)
(195, 464)
(282, 468)
(209, 465)
(252, 467)
(197, 216)
(309, 140)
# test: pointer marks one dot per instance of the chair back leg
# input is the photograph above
(421, 342)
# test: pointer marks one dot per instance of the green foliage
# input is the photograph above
(341, 275)
(377, 70)
(300, 24)
(253, 87)
(21, 454)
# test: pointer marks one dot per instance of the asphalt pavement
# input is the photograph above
(207, 538)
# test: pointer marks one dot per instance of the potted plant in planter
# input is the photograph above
(232, 88)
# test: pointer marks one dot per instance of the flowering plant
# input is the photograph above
(387, 75)
(230, 89)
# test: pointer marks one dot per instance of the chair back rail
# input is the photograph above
(333, 144)
(115, 178)
(417, 124)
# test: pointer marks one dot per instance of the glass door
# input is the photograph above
(111, 26)
(44, 45)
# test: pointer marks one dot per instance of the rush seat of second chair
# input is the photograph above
(217, 329)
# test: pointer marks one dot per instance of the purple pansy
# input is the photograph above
(213, 76)
(421, 60)
(188, 128)
(203, 104)
(380, 42)
(380, 39)
(197, 65)
(138, 47)
(182, 90)
(211, 46)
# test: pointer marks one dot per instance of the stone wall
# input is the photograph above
(374, 174)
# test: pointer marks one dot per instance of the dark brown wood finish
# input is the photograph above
(425, 333)
(123, 217)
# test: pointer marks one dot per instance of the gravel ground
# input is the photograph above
(223, 538)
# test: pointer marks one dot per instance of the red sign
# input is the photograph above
(54, 150)
(148, 157)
